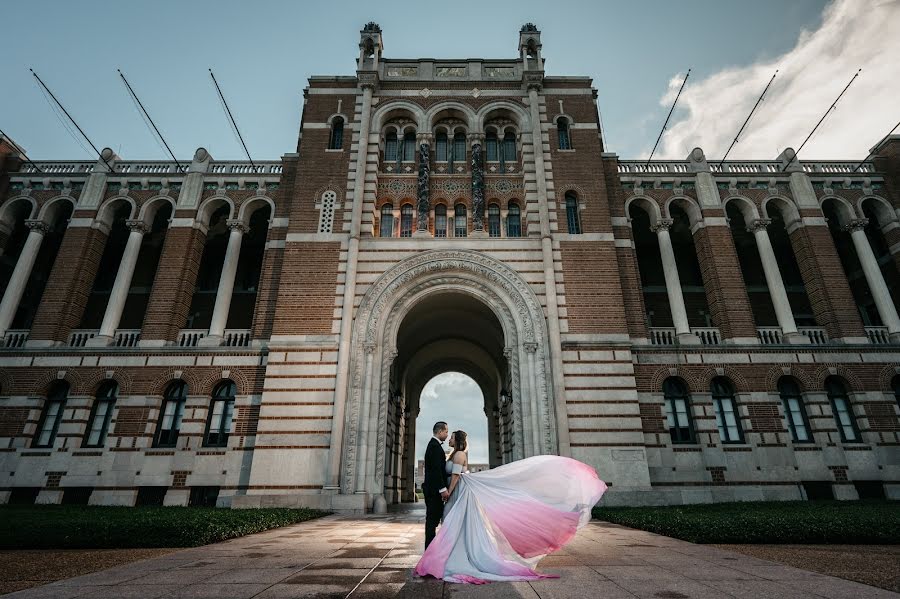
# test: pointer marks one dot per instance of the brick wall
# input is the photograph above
(306, 294)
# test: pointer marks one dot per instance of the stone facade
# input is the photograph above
(696, 331)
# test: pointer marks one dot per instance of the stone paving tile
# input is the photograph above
(566, 589)
(679, 588)
(217, 591)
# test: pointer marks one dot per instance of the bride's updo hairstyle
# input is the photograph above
(459, 442)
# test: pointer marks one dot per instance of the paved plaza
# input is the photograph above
(373, 556)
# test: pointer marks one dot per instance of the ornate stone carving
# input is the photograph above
(37, 225)
(662, 223)
(237, 225)
(477, 187)
(857, 224)
(758, 224)
(137, 225)
(423, 202)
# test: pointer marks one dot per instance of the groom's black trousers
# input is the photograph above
(434, 511)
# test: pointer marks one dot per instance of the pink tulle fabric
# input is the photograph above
(500, 523)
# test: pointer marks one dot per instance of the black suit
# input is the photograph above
(435, 480)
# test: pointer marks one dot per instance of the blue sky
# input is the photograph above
(263, 53)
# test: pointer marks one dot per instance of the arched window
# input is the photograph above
(509, 147)
(406, 220)
(206, 287)
(387, 221)
(494, 220)
(572, 217)
(727, 418)
(459, 147)
(678, 413)
(249, 270)
(460, 221)
(440, 220)
(390, 146)
(440, 146)
(51, 415)
(513, 221)
(409, 147)
(490, 147)
(170, 415)
(562, 133)
(843, 411)
(336, 142)
(101, 412)
(794, 410)
(218, 425)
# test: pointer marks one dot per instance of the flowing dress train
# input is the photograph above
(499, 523)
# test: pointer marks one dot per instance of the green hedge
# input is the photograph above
(90, 527)
(837, 522)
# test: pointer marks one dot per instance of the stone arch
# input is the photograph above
(787, 207)
(826, 370)
(97, 376)
(646, 204)
(799, 374)
(149, 208)
(882, 208)
(50, 208)
(244, 213)
(745, 205)
(105, 212)
(7, 207)
(450, 108)
(885, 377)
(383, 309)
(506, 108)
(208, 384)
(394, 108)
(846, 212)
(689, 377)
(51, 375)
(690, 207)
(209, 205)
(331, 118)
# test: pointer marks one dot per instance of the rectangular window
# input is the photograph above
(796, 418)
(390, 150)
(440, 225)
(171, 424)
(846, 425)
(440, 149)
(678, 421)
(220, 423)
(727, 420)
(491, 150)
(49, 424)
(99, 424)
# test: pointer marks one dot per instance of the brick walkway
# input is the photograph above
(367, 557)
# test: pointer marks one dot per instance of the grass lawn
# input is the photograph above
(93, 527)
(776, 522)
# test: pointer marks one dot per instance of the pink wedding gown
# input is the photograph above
(499, 523)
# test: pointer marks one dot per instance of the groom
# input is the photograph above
(434, 487)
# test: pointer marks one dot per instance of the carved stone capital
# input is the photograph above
(857, 224)
(663, 224)
(137, 226)
(367, 79)
(38, 226)
(475, 139)
(530, 347)
(758, 224)
(237, 225)
(424, 138)
(369, 348)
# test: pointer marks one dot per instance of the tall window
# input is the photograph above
(170, 415)
(490, 147)
(562, 133)
(387, 221)
(409, 147)
(406, 220)
(459, 221)
(509, 147)
(459, 147)
(843, 412)
(440, 146)
(390, 147)
(101, 412)
(513, 221)
(218, 425)
(494, 220)
(727, 418)
(678, 411)
(336, 142)
(794, 410)
(51, 415)
(440, 220)
(572, 213)
(896, 385)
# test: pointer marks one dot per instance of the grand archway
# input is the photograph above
(443, 310)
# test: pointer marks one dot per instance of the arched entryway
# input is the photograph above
(438, 311)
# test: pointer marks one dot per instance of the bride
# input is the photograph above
(499, 523)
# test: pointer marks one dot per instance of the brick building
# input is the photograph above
(213, 332)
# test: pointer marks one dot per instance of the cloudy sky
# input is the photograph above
(636, 52)
(457, 400)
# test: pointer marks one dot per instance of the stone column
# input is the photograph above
(774, 282)
(226, 284)
(423, 200)
(119, 294)
(19, 279)
(557, 390)
(477, 187)
(886, 309)
(673, 282)
(333, 466)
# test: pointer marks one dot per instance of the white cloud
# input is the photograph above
(853, 35)
(456, 399)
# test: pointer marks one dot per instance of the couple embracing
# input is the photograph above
(496, 525)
